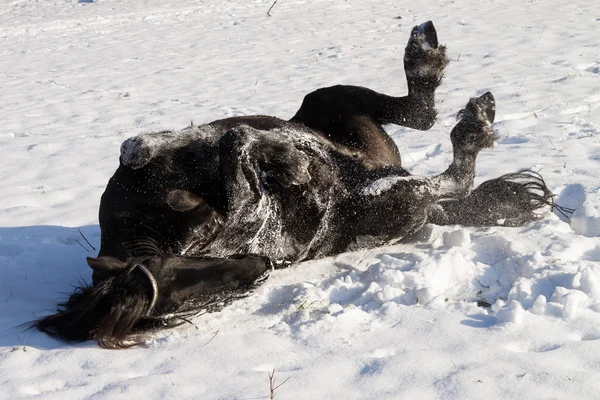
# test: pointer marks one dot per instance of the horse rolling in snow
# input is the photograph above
(193, 219)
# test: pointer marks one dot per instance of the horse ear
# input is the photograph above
(182, 200)
(106, 264)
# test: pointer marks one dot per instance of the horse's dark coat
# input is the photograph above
(186, 204)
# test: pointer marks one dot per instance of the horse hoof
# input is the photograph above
(487, 102)
(424, 57)
(474, 132)
(427, 35)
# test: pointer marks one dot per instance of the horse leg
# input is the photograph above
(352, 116)
(510, 200)
(424, 64)
(390, 208)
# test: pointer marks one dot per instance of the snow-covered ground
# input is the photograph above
(404, 322)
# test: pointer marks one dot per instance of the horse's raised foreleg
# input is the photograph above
(395, 206)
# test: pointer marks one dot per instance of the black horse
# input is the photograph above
(194, 218)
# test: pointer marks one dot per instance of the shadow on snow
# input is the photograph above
(40, 265)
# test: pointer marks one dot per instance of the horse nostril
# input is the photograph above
(135, 152)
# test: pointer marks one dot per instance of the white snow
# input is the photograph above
(458, 237)
(384, 184)
(586, 218)
(401, 322)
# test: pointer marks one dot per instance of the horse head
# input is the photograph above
(142, 294)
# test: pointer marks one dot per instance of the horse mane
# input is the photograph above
(108, 312)
(115, 312)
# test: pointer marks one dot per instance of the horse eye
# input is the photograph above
(128, 221)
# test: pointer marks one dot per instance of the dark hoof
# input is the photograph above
(482, 108)
(474, 131)
(488, 103)
(424, 58)
(427, 34)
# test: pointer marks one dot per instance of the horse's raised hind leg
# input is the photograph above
(352, 116)
(393, 207)
(327, 109)
(424, 63)
(510, 200)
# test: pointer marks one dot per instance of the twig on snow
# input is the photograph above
(272, 386)
(270, 8)
(523, 82)
(84, 238)
(536, 43)
(79, 243)
(213, 336)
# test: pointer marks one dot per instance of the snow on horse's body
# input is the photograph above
(192, 218)
(285, 192)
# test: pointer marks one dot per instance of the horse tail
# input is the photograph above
(510, 200)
